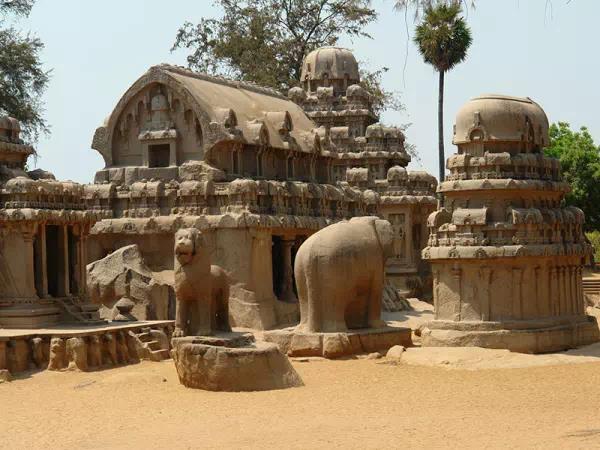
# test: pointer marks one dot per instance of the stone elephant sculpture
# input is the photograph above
(340, 273)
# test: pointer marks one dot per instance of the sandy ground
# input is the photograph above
(490, 398)
(344, 404)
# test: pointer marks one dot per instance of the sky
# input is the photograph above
(543, 49)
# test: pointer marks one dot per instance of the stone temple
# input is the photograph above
(370, 156)
(258, 171)
(506, 254)
(44, 227)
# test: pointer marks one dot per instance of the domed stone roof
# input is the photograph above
(334, 62)
(499, 118)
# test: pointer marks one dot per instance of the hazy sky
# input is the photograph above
(524, 48)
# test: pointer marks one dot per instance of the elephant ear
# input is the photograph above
(385, 234)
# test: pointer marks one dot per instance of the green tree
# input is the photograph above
(23, 80)
(265, 41)
(443, 39)
(580, 160)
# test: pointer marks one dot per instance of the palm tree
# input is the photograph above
(443, 39)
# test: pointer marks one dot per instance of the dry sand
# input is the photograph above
(345, 404)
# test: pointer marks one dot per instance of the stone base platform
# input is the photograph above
(534, 337)
(232, 362)
(337, 345)
(84, 347)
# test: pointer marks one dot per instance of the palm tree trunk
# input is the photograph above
(442, 159)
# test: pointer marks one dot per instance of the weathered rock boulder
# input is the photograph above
(234, 365)
(124, 274)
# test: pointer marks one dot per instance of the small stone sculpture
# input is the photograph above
(58, 354)
(37, 352)
(202, 291)
(77, 354)
(109, 350)
(95, 351)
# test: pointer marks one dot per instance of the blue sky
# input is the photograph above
(521, 47)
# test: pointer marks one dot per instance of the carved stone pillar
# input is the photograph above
(29, 288)
(517, 297)
(457, 281)
(2, 355)
(83, 261)
(287, 279)
(572, 273)
(410, 257)
(63, 269)
(485, 278)
(41, 266)
(554, 292)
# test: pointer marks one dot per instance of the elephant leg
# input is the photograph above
(302, 296)
(336, 320)
(374, 300)
(223, 305)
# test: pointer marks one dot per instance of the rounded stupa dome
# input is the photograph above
(500, 118)
(334, 63)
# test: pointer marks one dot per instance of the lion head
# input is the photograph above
(187, 243)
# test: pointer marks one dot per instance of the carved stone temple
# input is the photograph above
(44, 226)
(370, 157)
(506, 254)
(251, 170)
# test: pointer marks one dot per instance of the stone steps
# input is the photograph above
(87, 314)
(591, 286)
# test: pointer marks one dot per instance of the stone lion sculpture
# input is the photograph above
(340, 275)
(201, 290)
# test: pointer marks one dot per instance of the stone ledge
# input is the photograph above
(337, 345)
(534, 340)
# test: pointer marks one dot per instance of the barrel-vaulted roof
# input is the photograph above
(222, 105)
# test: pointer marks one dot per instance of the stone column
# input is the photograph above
(172, 154)
(554, 292)
(63, 273)
(564, 276)
(287, 280)
(29, 290)
(517, 289)
(3, 355)
(42, 272)
(83, 261)
(457, 281)
(572, 285)
(485, 278)
(410, 259)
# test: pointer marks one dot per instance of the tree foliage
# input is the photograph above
(580, 160)
(23, 79)
(265, 41)
(443, 37)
